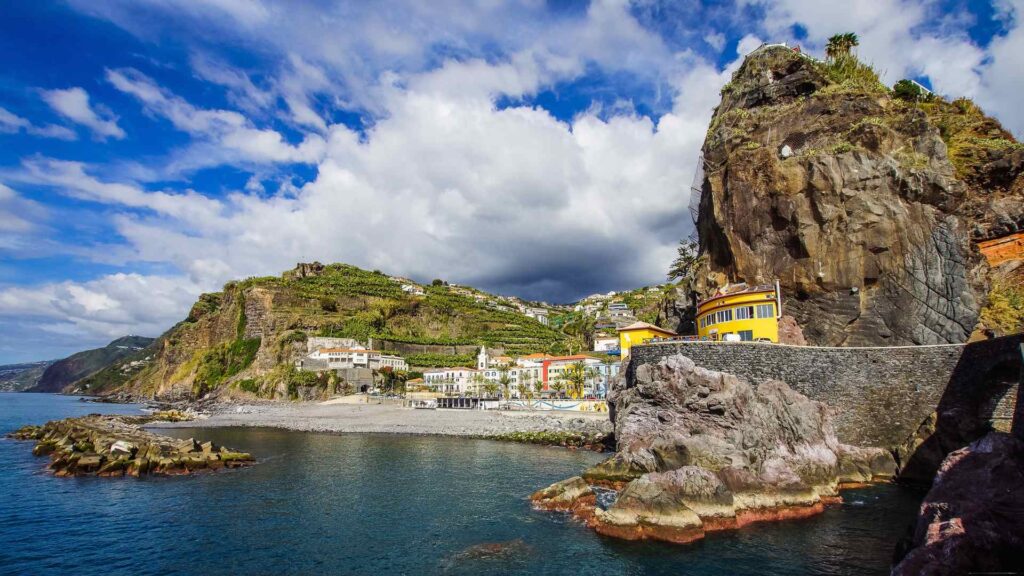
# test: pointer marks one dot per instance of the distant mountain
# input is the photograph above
(19, 377)
(77, 366)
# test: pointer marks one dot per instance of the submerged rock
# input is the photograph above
(972, 520)
(118, 446)
(700, 450)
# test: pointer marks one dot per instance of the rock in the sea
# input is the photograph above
(700, 450)
(972, 520)
(117, 446)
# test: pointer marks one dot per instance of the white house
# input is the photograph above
(538, 314)
(605, 343)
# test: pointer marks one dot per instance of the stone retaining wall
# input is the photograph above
(880, 395)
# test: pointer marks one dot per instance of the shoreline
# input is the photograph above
(390, 419)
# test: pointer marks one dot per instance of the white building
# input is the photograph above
(413, 289)
(606, 343)
(338, 358)
(451, 380)
(538, 314)
(314, 343)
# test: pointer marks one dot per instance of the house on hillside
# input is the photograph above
(538, 314)
(605, 343)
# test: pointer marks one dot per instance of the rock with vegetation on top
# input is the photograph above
(870, 216)
(700, 450)
(118, 446)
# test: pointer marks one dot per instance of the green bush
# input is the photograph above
(907, 90)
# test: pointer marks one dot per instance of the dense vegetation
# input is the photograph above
(440, 360)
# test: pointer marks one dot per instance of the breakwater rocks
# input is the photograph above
(114, 446)
(596, 441)
(972, 520)
(699, 450)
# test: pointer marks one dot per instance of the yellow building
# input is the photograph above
(741, 312)
(638, 333)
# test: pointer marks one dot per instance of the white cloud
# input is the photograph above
(97, 311)
(73, 104)
(228, 135)
(11, 123)
(19, 217)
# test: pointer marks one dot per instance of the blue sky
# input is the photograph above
(154, 149)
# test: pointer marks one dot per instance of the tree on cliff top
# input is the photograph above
(840, 45)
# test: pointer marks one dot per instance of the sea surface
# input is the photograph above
(375, 504)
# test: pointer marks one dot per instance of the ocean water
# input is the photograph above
(369, 504)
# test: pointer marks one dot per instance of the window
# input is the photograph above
(765, 311)
(744, 312)
(724, 315)
(746, 335)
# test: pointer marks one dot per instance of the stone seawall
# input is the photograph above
(881, 394)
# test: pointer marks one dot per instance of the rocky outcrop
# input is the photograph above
(699, 450)
(972, 520)
(850, 199)
(114, 446)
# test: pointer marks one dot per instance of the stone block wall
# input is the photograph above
(880, 395)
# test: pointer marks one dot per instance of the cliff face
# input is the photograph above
(864, 207)
(246, 339)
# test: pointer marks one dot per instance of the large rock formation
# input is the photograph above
(972, 520)
(699, 450)
(863, 206)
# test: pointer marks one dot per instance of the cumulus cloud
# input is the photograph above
(65, 317)
(73, 104)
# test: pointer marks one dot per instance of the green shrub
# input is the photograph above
(908, 91)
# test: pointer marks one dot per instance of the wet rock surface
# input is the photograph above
(972, 520)
(115, 446)
(700, 450)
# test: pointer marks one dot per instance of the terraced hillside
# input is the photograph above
(245, 339)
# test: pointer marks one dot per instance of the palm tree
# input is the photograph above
(538, 387)
(490, 388)
(840, 45)
(526, 387)
(574, 378)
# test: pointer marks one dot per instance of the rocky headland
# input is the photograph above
(866, 207)
(700, 450)
(115, 446)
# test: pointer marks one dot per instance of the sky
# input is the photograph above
(151, 150)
